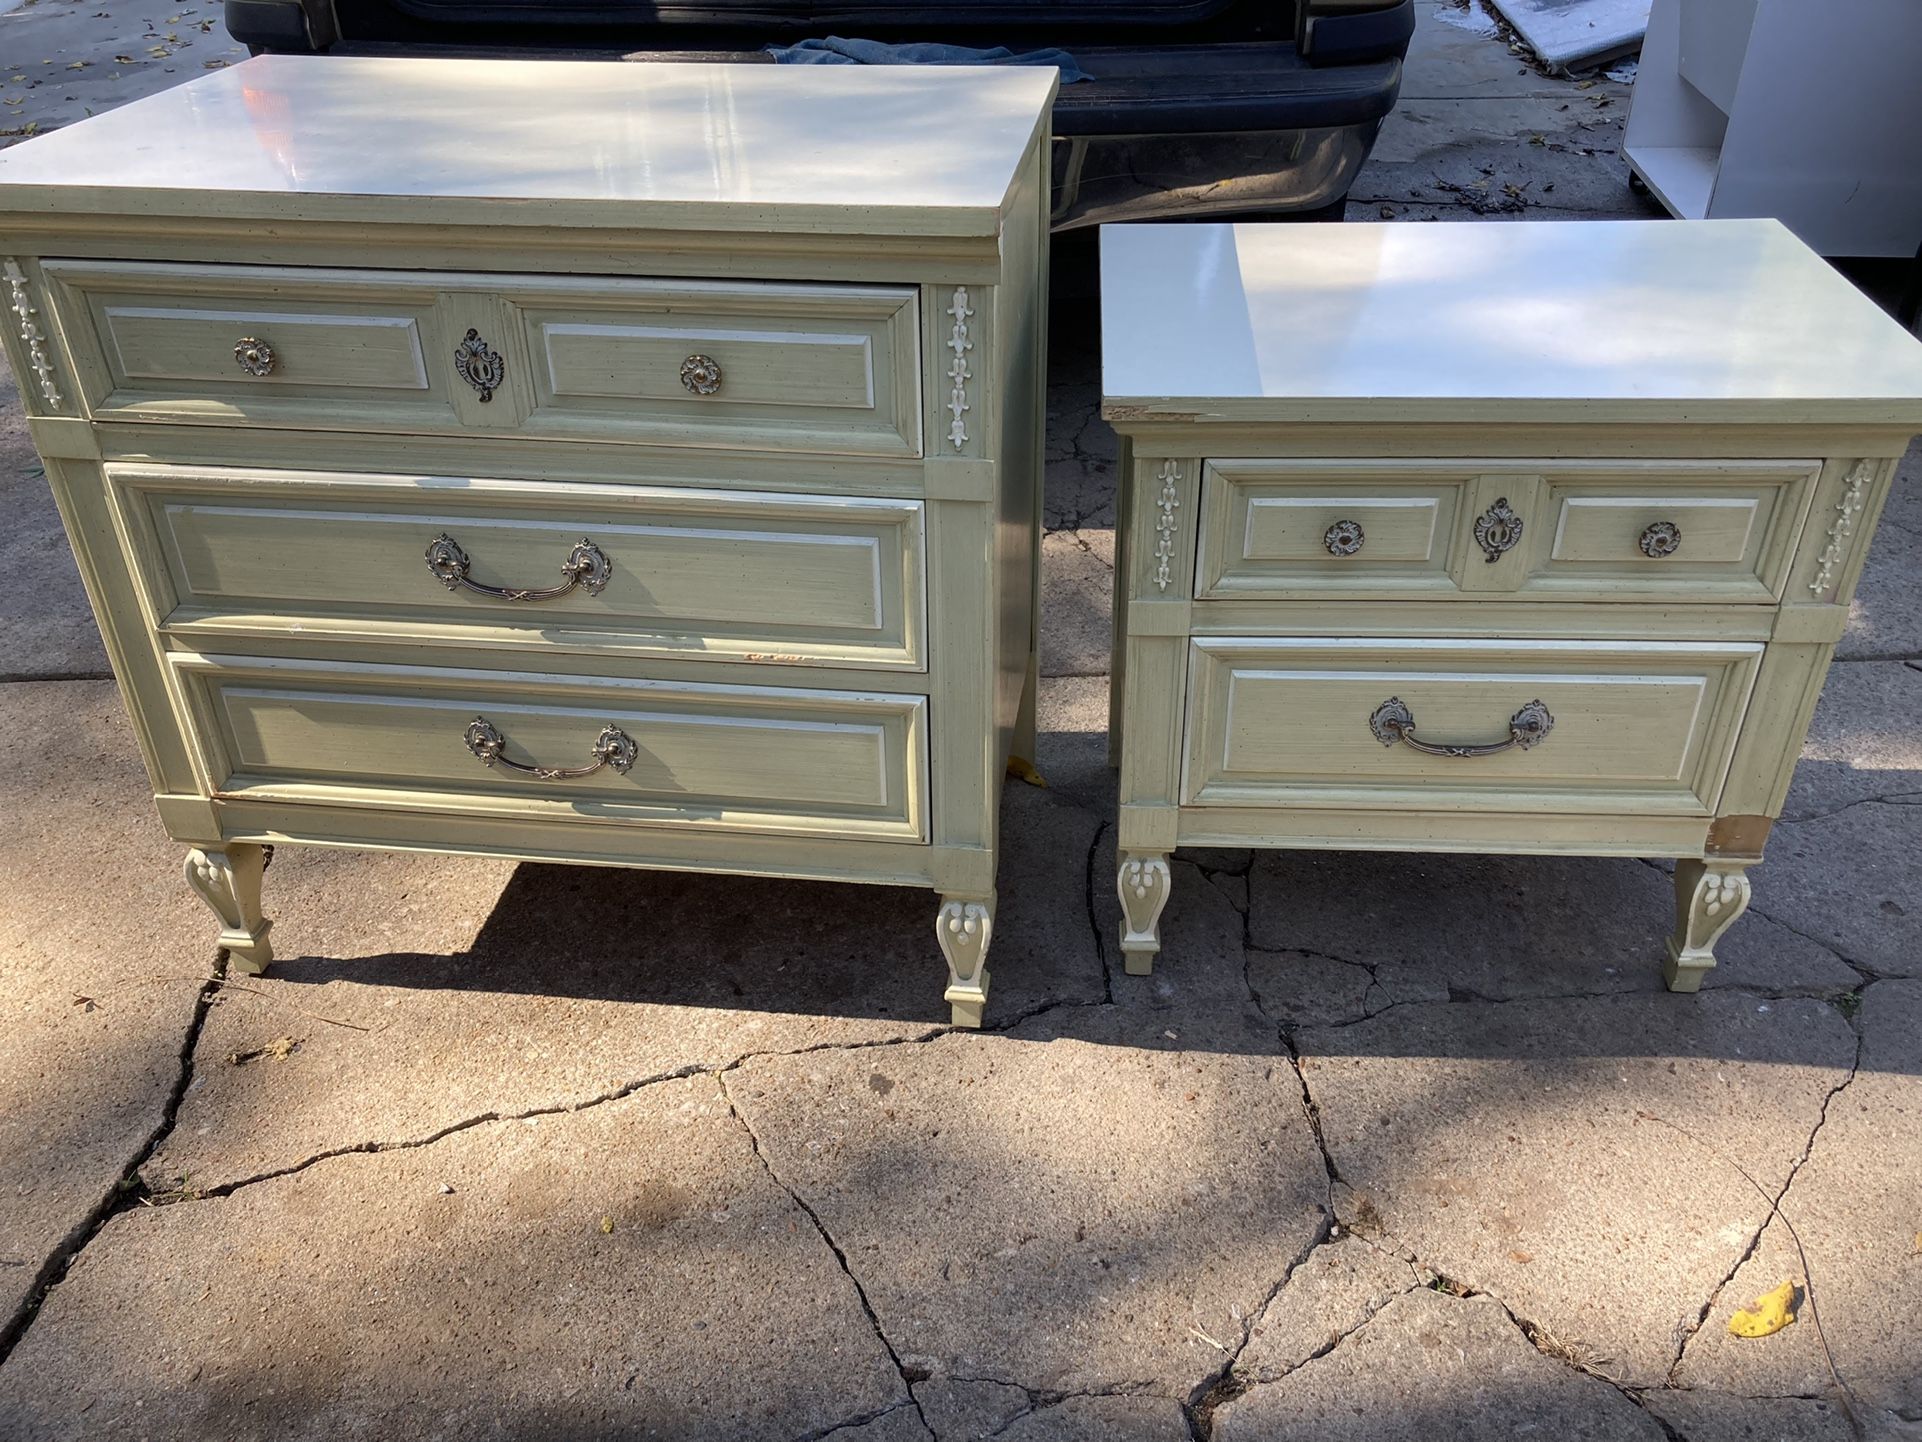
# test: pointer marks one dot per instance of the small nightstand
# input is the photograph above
(1494, 538)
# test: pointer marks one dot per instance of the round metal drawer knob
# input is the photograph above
(701, 375)
(1344, 538)
(256, 357)
(1663, 538)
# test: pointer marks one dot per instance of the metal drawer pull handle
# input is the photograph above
(586, 565)
(614, 747)
(256, 357)
(1662, 538)
(1497, 529)
(1392, 721)
(701, 374)
(1344, 538)
(480, 365)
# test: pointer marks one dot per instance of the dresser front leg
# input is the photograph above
(1709, 895)
(964, 926)
(228, 880)
(1143, 885)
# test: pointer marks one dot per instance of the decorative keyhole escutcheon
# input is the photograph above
(479, 365)
(1497, 529)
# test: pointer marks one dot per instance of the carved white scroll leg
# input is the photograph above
(229, 881)
(964, 926)
(1709, 895)
(1143, 884)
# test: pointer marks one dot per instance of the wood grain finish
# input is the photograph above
(826, 368)
(781, 759)
(817, 367)
(1268, 528)
(747, 576)
(157, 341)
(1637, 727)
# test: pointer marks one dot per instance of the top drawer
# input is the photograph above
(1628, 530)
(754, 365)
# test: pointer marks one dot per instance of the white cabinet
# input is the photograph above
(1808, 113)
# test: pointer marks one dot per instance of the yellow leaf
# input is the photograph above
(607, 1226)
(1771, 1313)
(1022, 769)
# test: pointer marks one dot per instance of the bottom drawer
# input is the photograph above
(653, 753)
(1620, 726)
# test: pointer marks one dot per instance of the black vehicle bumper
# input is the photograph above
(1158, 132)
(1201, 130)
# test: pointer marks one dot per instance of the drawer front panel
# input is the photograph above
(723, 575)
(1286, 529)
(1713, 532)
(1665, 530)
(226, 344)
(1646, 727)
(823, 369)
(811, 762)
(813, 367)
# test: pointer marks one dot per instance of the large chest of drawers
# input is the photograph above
(620, 464)
(1484, 538)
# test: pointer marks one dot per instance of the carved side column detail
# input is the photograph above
(1166, 524)
(1843, 526)
(20, 302)
(959, 372)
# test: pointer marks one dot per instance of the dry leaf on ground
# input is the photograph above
(1771, 1313)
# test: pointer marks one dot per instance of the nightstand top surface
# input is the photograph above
(1603, 320)
(739, 146)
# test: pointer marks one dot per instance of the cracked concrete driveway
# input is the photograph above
(1388, 1147)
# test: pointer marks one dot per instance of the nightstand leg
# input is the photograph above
(1709, 895)
(964, 926)
(1143, 885)
(228, 880)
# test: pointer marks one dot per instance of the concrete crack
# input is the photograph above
(1861, 968)
(613, 1094)
(1574, 1356)
(1312, 1112)
(1894, 798)
(853, 1422)
(127, 1190)
(1040, 1400)
(227, 1189)
(1094, 917)
(861, 1292)
(1773, 1210)
(1224, 1383)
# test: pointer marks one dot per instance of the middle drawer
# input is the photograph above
(644, 570)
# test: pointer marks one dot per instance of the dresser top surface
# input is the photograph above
(741, 145)
(1607, 320)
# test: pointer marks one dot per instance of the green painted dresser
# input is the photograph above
(1493, 538)
(632, 465)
